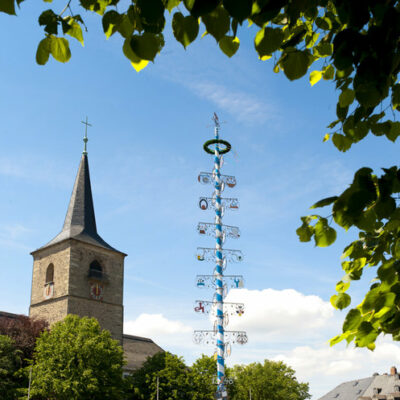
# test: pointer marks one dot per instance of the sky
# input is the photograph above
(145, 153)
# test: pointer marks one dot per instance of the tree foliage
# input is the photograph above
(172, 374)
(23, 331)
(202, 378)
(271, 380)
(355, 44)
(77, 360)
(369, 204)
(10, 363)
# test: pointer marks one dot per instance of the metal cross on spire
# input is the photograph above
(85, 139)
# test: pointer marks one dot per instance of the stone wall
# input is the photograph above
(59, 256)
(72, 284)
(51, 310)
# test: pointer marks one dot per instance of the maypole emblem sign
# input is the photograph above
(218, 281)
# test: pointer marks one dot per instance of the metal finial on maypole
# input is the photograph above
(218, 281)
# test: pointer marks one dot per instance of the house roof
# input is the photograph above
(377, 387)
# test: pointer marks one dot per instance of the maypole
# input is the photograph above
(220, 282)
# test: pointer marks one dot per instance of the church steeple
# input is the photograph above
(80, 221)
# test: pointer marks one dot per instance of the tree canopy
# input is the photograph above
(271, 380)
(23, 331)
(171, 373)
(77, 360)
(10, 363)
(355, 44)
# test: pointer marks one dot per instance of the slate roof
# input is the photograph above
(137, 349)
(8, 315)
(80, 221)
(376, 387)
(351, 390)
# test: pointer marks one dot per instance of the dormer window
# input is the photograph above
(96, 270)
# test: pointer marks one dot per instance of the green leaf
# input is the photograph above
(7, 6)
(217, 23)
(323, 49)
(111, 20)
(328, 72)
(171, 4)
(353, 320)
(394, 131)
(98, 6)
(315, 76)
(125, 27)
(323, 23)
(74, 30)
(43, 51)
(238, 9)
(311, 40)
(49, 20)
(147, 45)
(396, 97)
(324, 235)
(370, 300)
(185, 29)
(340, 301)
(366, 334)
(341, 142)
(268, 40)
(324, 202)
(337, 339)
(229, 45)
(60, 49)
(198, 8)
(341, 286)
(346, 97)
(136, 61)
(305, 231)
(295, 64)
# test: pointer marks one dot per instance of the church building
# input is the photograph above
(77, 272)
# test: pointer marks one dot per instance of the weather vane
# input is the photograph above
(85, 139)
(218, 281)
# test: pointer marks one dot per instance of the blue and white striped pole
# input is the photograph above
(219, 261)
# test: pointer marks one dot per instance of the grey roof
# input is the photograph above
(374, 387)
(137, 349)
(80, 221)
(349, 390)
(4, 314)
(385, 384)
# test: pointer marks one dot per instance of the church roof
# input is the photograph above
(137, 349)
(80, 221)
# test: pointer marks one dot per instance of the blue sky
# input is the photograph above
(145, 152)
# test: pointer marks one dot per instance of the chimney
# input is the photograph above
(393, 371)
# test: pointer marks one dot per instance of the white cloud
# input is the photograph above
(169, 334)
(282, 325)
(283, 315)
(246, 108)
(327, 367)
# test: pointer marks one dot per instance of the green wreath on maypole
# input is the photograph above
(206, 146)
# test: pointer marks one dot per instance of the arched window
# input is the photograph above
(50, 273)
(95, 270)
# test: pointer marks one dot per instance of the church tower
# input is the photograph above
(78, 272)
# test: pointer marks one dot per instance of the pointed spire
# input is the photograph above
(80, 221)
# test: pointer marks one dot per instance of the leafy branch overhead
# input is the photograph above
(369, 204)
(354, 43)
